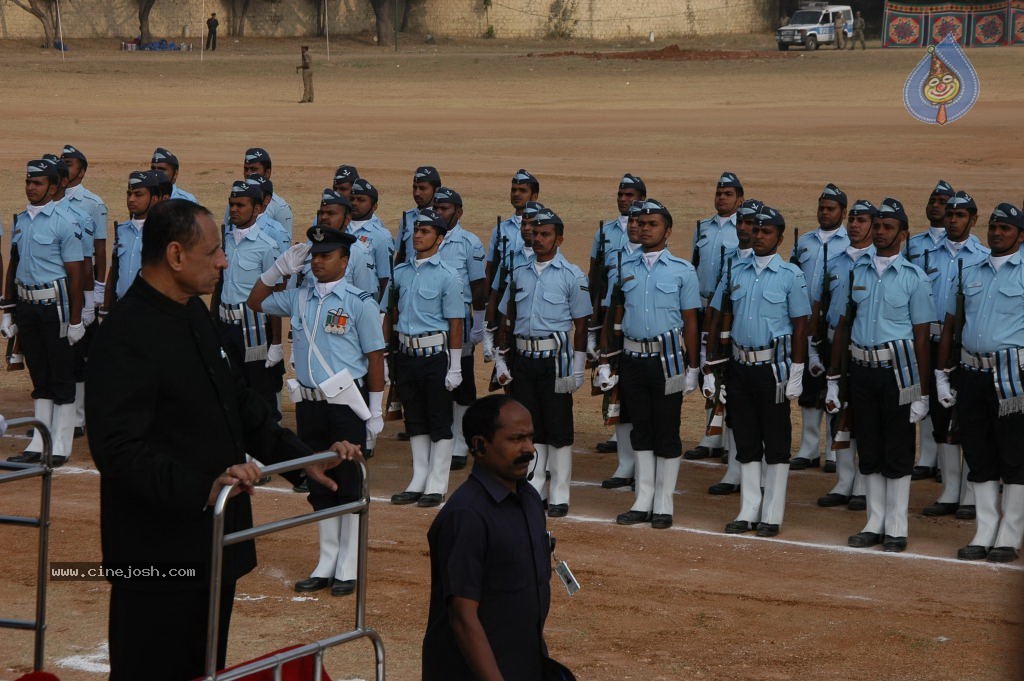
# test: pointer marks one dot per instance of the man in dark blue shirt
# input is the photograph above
(490, 558)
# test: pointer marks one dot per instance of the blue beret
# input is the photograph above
(749, 208)
(892, 208)
(943, 188)
(71, 152)
(531, 209)
(326, 239)
(161, 155)
(863, 207)
(362, 187)
(524, 177)
(447, 195)
(140, 179)
(729, 180)
(427, 174)
(630, 181)
(333, 198)
(242, 188)
(42, 168)
(265, 185)
(427, 216)
(769, 216)
(257, 155)
(833, 193)
(652, 207)
(346, 174)
(547, 217)
(1008, 213)
(962, 200)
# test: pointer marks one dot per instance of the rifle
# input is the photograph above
(15, 360)
(953, 433)
(504, 267)
(717, 419)
(393, 412)
(507, 329)
(844, 419)
(597, 279)
(695, 260)
(825, 302)
(710, 402)
(795, 258)
(612, 334)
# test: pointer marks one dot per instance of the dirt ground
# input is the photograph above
(688, 603)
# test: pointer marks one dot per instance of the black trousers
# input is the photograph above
(760, 427)
(266, 382)
(885, 435)
(426, 404)
(533, 384)
(81, 352)
(813, 395)
(655, 415)
(465, 394)
(992, 443)
(211, 40)
(50, 358)
(161, 635)
(940, 415)
(320, 425)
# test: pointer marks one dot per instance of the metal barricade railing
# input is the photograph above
(12, 472)
(220, 540)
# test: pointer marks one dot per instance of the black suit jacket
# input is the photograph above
(167, 415)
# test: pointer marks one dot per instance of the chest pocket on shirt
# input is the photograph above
(773, 295)
(43, 238)
(428, 293)
(666, 295)
(896, 304)
(1012, 289)
(250, 260)
(702, 242)
(859, 294)
(555, 305)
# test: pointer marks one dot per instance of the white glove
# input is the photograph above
(387, 372)
(579, 365)
(75, 332)
(88, 309)
(943, 391)
(501, 372)
(708, 389)
(832, 404)
(604, 379)
(99, 289)
(275, 355)
(692, 380)
(375, 424)
(453, 379)
(919, 409)
(287, 264)
(795, 384)
(488, 345)
(476, 334)
(593, 352)
(703, 347)
(721, 395)
(8, 329)
(291, 358)
(815, 367)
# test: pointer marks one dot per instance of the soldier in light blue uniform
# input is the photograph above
(251, 343)
(367, 228)
(272, 226)
(257, 162)
(344, 176)
(525, 187)
(709, 238)
(768, 343)
(143, 193)
(990, 386)
(168, 164)
(361, 271)
(942, 267)
(45, 279)
(93, 205)
(660, 317)
(849, 487)
(552, 300)
(889, 374)
(428, 363)
(462, 251)
(338, 387)
(809, 253)
(425, 181)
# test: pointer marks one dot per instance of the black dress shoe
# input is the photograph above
(965, 512)
(830, 467)
(738, 527)
(799, 463)
(719, 453)
(723, 488)
(1002, 554)
(894, 544)
(58, 461)
(832, 499)
(25, 457)
(313, 584)
(430, 500)
(458, 463)
(403, 498)
(864, 540)
(558, 510)
(402, 435)
(972, 552)
(697, 453)
(301, 488)
(661, 521)
(940, 508)
(922, 473)
(938, 475)
(607, 447)
(633, 517)
(858, 502)
(767, 530)
(343, 588)
(615, 483)
(79, 432)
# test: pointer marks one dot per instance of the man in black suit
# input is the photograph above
(211, 32)
(170, 422)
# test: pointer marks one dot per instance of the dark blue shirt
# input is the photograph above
(489, 544)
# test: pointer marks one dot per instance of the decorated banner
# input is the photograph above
(972, 24)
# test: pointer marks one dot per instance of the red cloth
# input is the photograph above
(296, 670)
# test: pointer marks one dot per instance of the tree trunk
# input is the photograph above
(239, 10)
(145, 6)
(43, 11)
(384, 12)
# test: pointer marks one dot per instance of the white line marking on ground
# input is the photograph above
(96, 662)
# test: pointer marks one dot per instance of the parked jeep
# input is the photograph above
(813, 25)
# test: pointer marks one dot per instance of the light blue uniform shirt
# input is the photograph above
(839, 271)
(712, 233)
(404, 234)
(429, 294)
(128, 249)
(462, 251)
(344, 325)
(360, 272)
(888, 307)
(656, 296)
(247, 260)
(924, 241)
(519, 258)
(510, 228)
(764, 303)
(548, 302)
(993, 306)
(615, 236)
(612, 263)
(943, 271)
(44, 245)
(279, 210)
(809, 251)
(373, 233)
(92, 204)
(274, 229)
(179, 193)
(83, 223)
